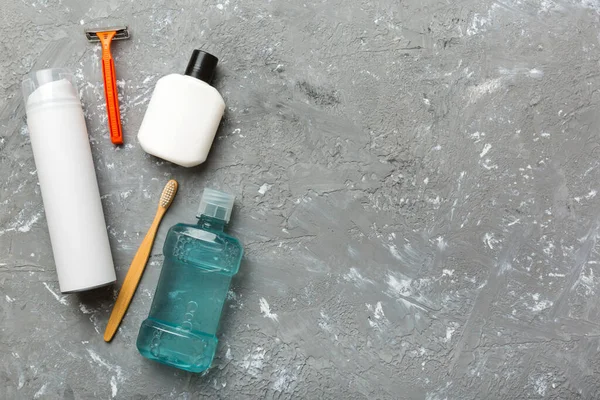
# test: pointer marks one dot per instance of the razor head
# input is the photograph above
(122, 32)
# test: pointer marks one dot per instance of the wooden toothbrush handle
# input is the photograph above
(132, 279)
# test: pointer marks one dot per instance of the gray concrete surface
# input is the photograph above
(417, 190)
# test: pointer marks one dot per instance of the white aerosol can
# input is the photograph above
(65, 170)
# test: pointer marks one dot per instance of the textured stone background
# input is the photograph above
(416, 189)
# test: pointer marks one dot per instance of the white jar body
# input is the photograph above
(181, 120)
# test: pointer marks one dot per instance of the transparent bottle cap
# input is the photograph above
(216, 204)
(53, 85)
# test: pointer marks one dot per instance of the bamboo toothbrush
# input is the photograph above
(136, 269)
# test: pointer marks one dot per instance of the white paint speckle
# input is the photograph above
(485, 150)
(540, 384)
(113, 386)
(536, 73)
(490, 240)
(265, 309)
(401, 287)
(324, 324)
(355, 277)
(9, 299)
(379, 321)
(60, 299)
(549, 249)
(228, 354)
(516, 221)
(378, 314)
(25, 226)
(540, 305)
(588, 282)
(220, 6)
(394, 252)
(477, 136)
(103, 363)
(408, 291)
(283, 381)
(40, 392)
(253, 362)
(433, 201)
(264, 188)
(487, 87)
(556, 275)
(449, 332)
(441, 243)
(479, 23)
(486, 165)
(84, 309)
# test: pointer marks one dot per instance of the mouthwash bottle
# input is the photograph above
(200, 261)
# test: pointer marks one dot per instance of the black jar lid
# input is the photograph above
(202, 66)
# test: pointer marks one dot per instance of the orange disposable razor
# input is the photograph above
(105, 36)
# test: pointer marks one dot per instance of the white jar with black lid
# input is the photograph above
(184, 114)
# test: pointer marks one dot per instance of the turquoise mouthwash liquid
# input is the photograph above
(200, 261)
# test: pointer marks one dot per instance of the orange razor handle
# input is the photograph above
(110, 88)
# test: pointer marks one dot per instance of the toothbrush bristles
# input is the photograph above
(168, 193)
